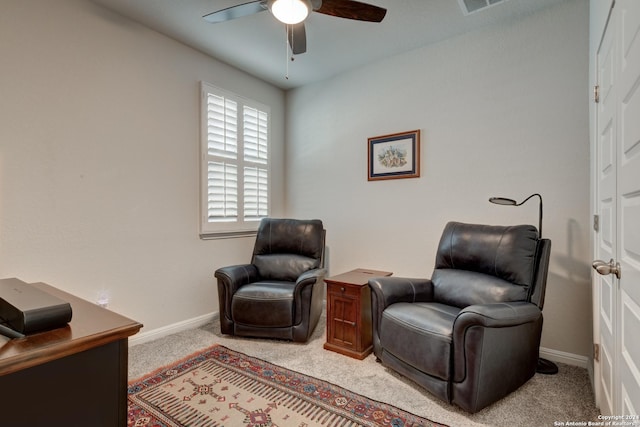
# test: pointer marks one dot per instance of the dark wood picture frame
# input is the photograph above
(394, 156)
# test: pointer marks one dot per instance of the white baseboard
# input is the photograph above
(143, 337)
(154, 334)
(563, 357)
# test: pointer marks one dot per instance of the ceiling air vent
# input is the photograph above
(473, 6)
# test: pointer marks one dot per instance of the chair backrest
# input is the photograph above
(542, 269)
(481, 264)
(286, 248)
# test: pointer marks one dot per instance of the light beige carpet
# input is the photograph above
(221, 387)
(542, 401)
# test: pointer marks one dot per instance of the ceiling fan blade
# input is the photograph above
(297, 38)
(352, 9)
(238, 11)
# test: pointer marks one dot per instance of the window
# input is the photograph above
(234, 165)
(473, 6)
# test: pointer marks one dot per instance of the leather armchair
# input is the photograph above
(280, 293)
(471, 334)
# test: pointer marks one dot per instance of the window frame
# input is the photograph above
(240, 227)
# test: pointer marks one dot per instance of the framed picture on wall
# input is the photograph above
(394, 156)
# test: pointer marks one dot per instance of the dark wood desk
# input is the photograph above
(71, 376)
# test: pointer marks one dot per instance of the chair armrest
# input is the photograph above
(497, 315)
(498, 336)
(310, 277)
(230, 279)
(235, 276)
(306, 283)
(308, 297)
(390, 290)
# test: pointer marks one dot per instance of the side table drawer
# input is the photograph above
(344, 290)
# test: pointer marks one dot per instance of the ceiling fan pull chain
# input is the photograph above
(286, 45)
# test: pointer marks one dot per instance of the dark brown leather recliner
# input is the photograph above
(470, 334)
(280, 293)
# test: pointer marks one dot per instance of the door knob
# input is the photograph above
(606, 268)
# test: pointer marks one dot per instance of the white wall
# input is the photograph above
(503, 111)
(99, 153)
(99, 148)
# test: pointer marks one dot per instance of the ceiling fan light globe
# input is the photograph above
(290, 11)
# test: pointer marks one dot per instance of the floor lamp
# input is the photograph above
(544, 366)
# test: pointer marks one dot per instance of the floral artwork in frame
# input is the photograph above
(394, 156)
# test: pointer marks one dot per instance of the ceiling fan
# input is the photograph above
(294, 12)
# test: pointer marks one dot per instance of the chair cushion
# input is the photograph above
(266, 304)
(420, 334)
(462, 288)
(287, 267)
(286, 248)
(502, 256)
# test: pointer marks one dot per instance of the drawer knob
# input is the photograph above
(342, 289)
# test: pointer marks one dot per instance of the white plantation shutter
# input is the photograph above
(255, 135)
(222, 126)
(222, 192)
(235, 164)
(256, 201)
(256, 178)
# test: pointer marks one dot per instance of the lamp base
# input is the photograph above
(546, 367)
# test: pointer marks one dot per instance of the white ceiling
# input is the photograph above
(257, 43)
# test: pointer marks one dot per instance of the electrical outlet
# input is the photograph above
(103, 299)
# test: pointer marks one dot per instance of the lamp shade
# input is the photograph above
(290, 11)
(503, 201)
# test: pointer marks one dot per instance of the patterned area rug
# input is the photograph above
(223, 388)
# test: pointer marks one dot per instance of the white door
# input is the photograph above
(618, 203)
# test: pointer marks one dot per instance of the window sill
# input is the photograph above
(228, 235)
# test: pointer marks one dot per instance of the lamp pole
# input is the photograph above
(544, 366)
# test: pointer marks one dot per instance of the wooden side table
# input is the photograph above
(349, 312)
